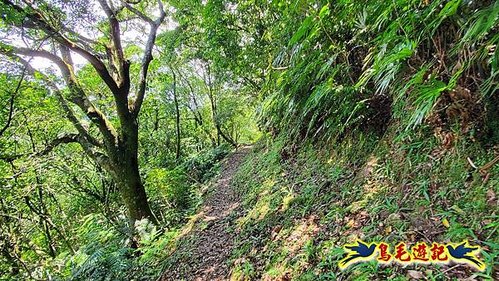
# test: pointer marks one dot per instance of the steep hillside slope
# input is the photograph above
(303, 203)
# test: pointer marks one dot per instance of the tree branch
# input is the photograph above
(114, 25)
(58, 141)
(65, 106)
(69, 138)
(80, 98)
(11, 103)
(87, 43)
(6, 49)
(146, 60)
(37, 19)
(137, 12)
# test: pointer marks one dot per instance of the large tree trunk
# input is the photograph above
(133, 193)
(126, 173)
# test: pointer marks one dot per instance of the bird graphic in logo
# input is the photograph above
(356, 253)
(464, 252)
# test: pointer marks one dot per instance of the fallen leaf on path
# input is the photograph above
(209, 218)
(445, 222)
(415, 274)
(388, 230)
(491, 196)
(458, 210)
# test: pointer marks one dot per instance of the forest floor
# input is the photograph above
(274, 215)
(207, 243)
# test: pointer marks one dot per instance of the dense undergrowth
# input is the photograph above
(356, 65)
(300, 207)
(107, 254)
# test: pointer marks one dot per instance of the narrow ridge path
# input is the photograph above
(202, 254)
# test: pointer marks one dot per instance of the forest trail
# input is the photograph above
(202, 253)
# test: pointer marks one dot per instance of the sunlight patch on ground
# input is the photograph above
(286, 201)
(262, 207)
(302, 232)
(293, 243)
(190, 224)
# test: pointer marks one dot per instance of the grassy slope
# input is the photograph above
(302, 204)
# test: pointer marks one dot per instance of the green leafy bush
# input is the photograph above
(202, 166)
(172, 186)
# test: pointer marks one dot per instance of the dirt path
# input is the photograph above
(202, 254)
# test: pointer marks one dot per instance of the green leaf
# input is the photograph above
(324, 11)
(304, 28)
(428, 94)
